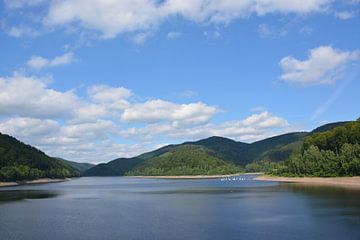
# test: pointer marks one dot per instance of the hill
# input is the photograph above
(81, 167)
(117, 167)
(19, 161)
(185, 160)
(273, 149)
(335, 152)
(329, 126)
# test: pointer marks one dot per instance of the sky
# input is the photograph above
(94, 80)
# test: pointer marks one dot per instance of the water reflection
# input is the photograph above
(18, 195)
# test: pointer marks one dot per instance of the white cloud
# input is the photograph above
(89, 128)
(29, 127)
(345, 15)
(38, 62)
(255, 127)
(324, 65)
(109, 17)
(160, 110)
(104, 93)
(30, 97)
(112, 18)
(86, 142)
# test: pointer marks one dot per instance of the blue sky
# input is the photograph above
(95, 80)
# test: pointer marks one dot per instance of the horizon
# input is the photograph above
(90, 85)
(179, 143)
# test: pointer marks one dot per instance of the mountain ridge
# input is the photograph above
(272, 149)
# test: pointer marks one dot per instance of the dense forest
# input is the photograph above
(20, 162)
(326, 154)
(237, 153)
(185, 160)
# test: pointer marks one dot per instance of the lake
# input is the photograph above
(132, 208)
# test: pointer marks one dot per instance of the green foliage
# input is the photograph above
(328, 154)
(262, 166)
(333, 140)
(244, 153)
(19, 162)
(185, 160)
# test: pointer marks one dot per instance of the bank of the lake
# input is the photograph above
(37, 181)
(348, 182)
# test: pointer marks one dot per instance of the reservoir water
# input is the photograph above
(131, 208)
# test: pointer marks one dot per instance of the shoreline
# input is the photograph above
(347, 182)
(189, 176)
(36, 181)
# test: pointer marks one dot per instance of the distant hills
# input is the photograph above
(213, 155)
(80, 167)
(220, 153)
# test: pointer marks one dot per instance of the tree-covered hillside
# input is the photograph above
(331, 153)
(19, 161)
(185, 160)
(258, 156)
(117, 167)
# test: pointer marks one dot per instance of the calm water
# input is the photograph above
(125, 208)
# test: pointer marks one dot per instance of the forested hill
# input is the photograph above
(19, 161)
(185, 160)
(335, 152)
(274, 149)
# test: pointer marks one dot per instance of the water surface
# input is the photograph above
(131, 208)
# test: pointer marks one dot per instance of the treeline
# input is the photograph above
(326, 154)
(22, 173)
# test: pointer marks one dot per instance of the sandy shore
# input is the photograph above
(37, 181)
(188, 176)
(349, 182)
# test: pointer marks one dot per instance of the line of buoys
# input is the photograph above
(234, 179)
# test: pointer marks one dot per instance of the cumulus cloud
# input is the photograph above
(104, 93)
(38, 62)
(90, 127)
(29, 127)
(324, 65)
(112, 18)
(160, 110)
(87, 142)
(254, 127)
(30, 97)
